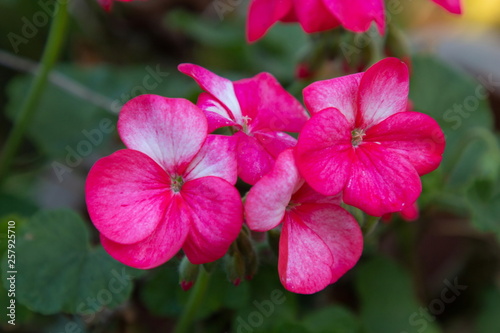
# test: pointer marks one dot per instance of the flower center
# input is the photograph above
(177, 183)
(357, 137)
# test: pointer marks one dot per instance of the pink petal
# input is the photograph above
(268, 106)
(253, 159)
(306, 194)
(339, 230)
(414, 135)
(127, 195)
(217, 115)
(381, 181)
(275, 142)
(340, 93)
(410, 212)
(169, 130)
(268, 199)
(358, 15)
(383, 91)
(216, 218)
(220, 88)
(160, 246)
(216, 158)
(314, 16)
(304, 262)
(453, 6)
(324, 151)
(263, 14)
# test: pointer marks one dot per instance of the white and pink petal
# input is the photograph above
(169, 130)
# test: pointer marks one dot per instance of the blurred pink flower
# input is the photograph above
(319, 241)
(259, 110)
(321, 15)
(171, 189)
(362, 140)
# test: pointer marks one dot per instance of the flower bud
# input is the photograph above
(188, 273)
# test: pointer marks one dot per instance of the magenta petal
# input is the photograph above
(358, 15)
(314, 16)
(127, 194)
(160, 246)
(453, 6)
(268, 106)
(383, 91)
(304, 262)
(216, 114)
(253, 159)
(220, 88)
(216, 158)
(340, 93)
(414, 135)
(338, 230)
(324, 151)
(263, 14)
(216, 218)
(169, 130)
(268, 199)
(275, 142)
(306, 194)
(381, 181)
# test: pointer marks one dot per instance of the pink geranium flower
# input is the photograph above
(171, 189)
(362, 141)
(259, 111)
(321, 15)
(319, 241)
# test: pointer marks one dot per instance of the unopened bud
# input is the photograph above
(235, 268)
(188, 273)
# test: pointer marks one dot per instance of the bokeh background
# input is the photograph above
(440, 273)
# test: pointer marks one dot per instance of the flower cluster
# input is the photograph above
(321, 15)
(174, 188)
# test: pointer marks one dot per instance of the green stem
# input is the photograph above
(194, 302)
(49, 58)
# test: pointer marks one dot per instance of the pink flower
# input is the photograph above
(321, 15)
(319, 241)
(171, 189)
(108, 4)
(409, 213)
(362, 141)
(259, 111)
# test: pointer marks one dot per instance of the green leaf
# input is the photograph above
(459, 105)
(332, 319)
(387, 300)
(484, 204)
(487, 321)
(67, 118)
(58, 270)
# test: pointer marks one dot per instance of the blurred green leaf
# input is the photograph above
(484, 204)
(59, 271)
(459, 105)
(66, 118)
(332, 319)
(487, 321)
(387, 300)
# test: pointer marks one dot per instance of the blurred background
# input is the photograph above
(440, 273)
